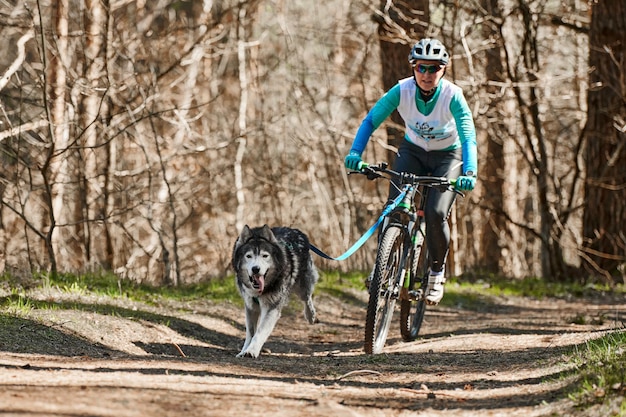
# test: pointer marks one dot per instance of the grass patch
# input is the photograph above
(337, 285)
(602, 367)
(534, 287)
(106, 284)
(465, 292)
(109, 285)
(333, 280)
(465, 298)
(17, 304)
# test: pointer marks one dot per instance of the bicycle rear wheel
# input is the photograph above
(413, 303)
(383, 292)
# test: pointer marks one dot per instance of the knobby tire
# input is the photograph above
(381, 297)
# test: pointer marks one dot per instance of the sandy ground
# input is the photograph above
(98, 356)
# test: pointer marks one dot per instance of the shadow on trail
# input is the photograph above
(496, 330)
(374, 392)
(445, 401)
(488, 315)
(26, 336)
(20, 335)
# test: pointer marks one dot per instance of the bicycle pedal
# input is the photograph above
(416, 295)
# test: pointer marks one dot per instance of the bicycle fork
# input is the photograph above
(417, 239)
(404, 280)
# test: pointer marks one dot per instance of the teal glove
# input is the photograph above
(465, 183)
(353, 161)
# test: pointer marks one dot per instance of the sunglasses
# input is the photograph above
(431, 69)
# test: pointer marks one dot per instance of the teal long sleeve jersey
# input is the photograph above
(443, 123)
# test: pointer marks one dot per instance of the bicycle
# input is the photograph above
(400, 244)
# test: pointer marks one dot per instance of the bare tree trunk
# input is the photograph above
(605, 158)
(94, 108)
(244, 24)
(243, 110)
(492, 168)
(56, 170)
(400, 24)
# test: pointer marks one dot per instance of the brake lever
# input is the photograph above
(372, 175)
(447, 187)
(459, 192)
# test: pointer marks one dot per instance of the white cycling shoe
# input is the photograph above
(434, 294)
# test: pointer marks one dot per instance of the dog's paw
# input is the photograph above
(247, 354)
(310, 316)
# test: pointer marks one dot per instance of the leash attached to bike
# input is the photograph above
(365, 236)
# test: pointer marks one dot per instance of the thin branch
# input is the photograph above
(358, 372)
(21, 55)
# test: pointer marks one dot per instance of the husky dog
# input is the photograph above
(269, 264)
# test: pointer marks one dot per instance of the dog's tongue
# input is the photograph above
(259, 281)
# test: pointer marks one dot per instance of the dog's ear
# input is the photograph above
(266, 233)
(244, 236)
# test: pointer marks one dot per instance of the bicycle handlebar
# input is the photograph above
(376, 171)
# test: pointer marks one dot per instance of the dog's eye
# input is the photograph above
(248, 256)
(265, 255)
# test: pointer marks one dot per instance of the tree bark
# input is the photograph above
(94, 110)
(56, 172)
(605, 156)
(492, 170)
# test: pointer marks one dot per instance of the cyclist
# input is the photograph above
(439, 140)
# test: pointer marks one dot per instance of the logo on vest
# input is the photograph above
(425, 131)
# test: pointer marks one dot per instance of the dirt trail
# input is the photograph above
(93, 356)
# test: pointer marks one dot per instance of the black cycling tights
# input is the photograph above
(413, 159)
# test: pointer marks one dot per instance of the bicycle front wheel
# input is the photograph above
(383, 290)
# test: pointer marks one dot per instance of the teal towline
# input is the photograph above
(365, 236)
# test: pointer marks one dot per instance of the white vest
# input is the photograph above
(433, 132)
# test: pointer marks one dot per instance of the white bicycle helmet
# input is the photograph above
(429, 49)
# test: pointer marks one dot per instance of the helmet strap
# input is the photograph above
(427, 95)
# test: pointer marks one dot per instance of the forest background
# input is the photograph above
(138, 137)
